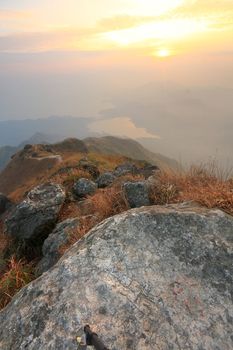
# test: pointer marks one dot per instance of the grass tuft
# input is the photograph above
(200, 184)
(18, 274)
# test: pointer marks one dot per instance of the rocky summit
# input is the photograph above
(150, 278)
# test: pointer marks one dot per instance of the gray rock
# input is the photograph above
(137, 193)
(4, 203)
(126, 168)
(105, 179)
(150, 278)
(84, 187)
(54, 242)
(37, 214)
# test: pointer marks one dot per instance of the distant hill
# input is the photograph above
(36, 162)
(14, 132)
(6, 152)
(32, 163)
(129, 148)
(5, 155)
(40, 138)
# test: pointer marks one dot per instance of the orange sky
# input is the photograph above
(157, 28)
(160, 68)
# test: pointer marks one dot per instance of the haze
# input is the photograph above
(157, 71)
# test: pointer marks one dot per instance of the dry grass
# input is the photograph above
(103, 204)
(109, 201)
(67, 179)
(69, 210)
(18, 274)
(201, 184)
(85, 226)
(106, 162)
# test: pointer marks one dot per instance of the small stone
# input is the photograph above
(84, 187)
(105, 180)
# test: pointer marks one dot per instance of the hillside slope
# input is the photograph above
(6, 152)
(129, 148)
(36, 162)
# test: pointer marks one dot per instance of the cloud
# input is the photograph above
(111, 32)
(120, 126)
(67, 38)
(221, 12)
(123, 22)
(10, 15)
(64, 39)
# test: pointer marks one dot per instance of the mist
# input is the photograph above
(182, 107)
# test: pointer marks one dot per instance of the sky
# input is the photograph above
(158, 70)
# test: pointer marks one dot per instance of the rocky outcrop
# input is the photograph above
(84, 187)
(37, 214)
(105, 179)
(56, 239)
(151, 278)
(4, 203)
(137, 193)
(126, 168)
(146, 170)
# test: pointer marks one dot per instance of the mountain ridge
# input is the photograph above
(39, 161)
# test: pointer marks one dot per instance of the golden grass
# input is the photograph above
(109, 201)
(106, 162)
(199, 184)
(85, 226)
(104, 204)
(18, 274)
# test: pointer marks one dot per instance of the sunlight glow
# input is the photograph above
(163, 53)
(162, 30)
(155, 7)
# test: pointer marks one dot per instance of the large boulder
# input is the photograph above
(150, 278)
(105, 179)
(37, 214)
(51, 247)
(84, 187)
(4, 203)
(137, 193)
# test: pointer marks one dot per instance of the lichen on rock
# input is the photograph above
(150, 278)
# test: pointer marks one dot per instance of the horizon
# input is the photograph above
(161, 71)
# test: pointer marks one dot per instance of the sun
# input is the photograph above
(163, 53)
